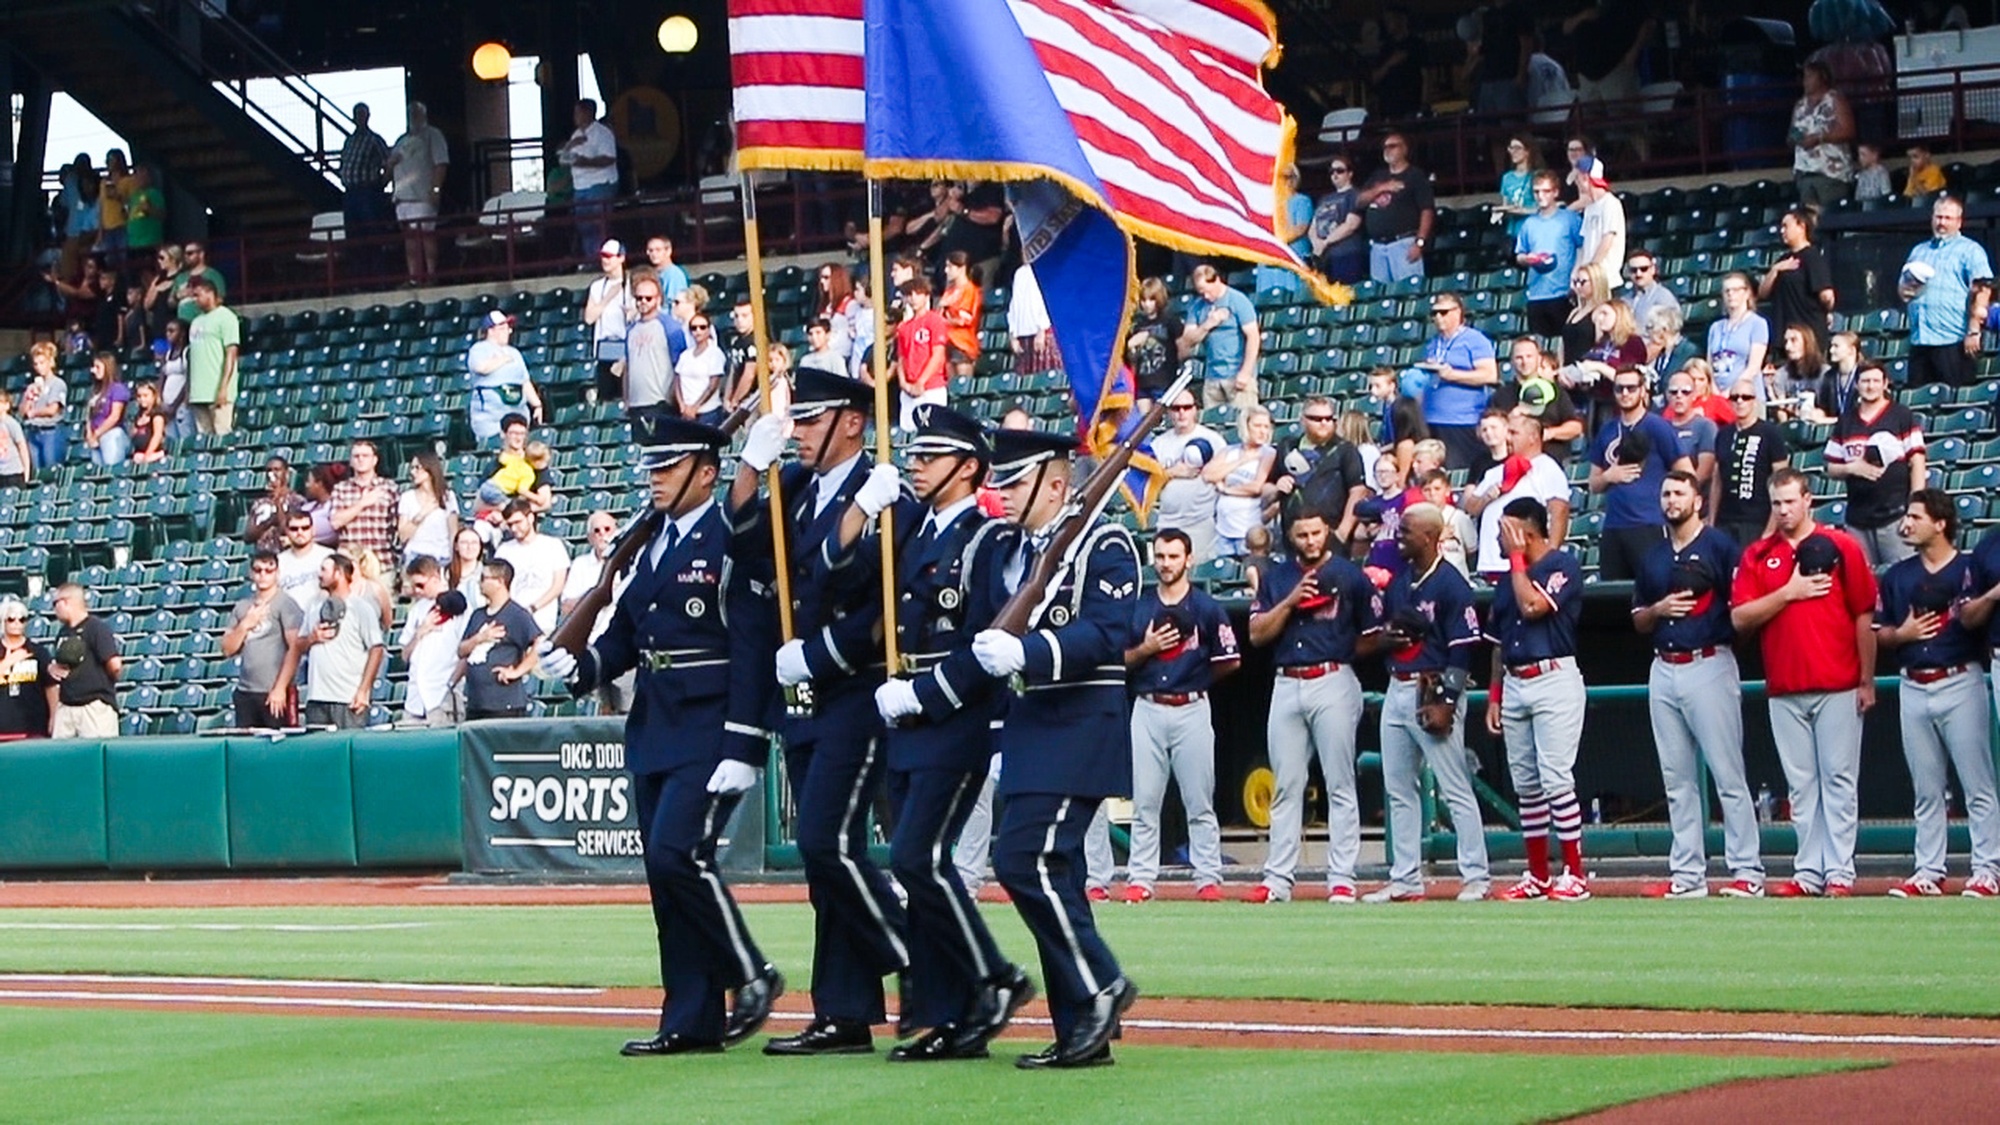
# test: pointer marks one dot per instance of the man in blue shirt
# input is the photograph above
(1545, 246)
(1680, 598)
(1464, 370)
(1311, 610)
(1630, 456)
(1948, 283)
(1931, 619)
(1223, 324)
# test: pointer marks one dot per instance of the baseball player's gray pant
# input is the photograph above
(1402, 741)
(1542, 721)
(1099, 862)
(1181, 739)
(1307, 717)
(1818, 734)
(975, 841)
(1699, 707)
(1948, 717)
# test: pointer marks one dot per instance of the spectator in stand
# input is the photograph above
(371, 579)
(515, 474)
(1632, 453)
(608, 307)
(1154, 348)
(1353, 429)
(1667, 351)
(86, 669)
(1524, 165)
(1398, 212)
(1461, 535)
(1339, 247)
(148, 427)
(838, 307)
(145, 215)
(1696, 430)
(1924, 182)
(1464, 370)
(1545, 245)
(1648, 295)
(1402, 419)
(1533, 389)
(364, 200)
(29, 702)
(1574, 150)
(861, 318)
(80, 187)
(44, 405)
(1588, 288)
(740, 356)
(1871, 179)
(591, 155)
(1822, 128)
(321, 480)
(426, 512)
(172, 360)
(1747, 452)
(1877, 447)
(1223, 324)
(820, 355)
(17, 460)
(689, 303)
(104, 430)
(500, 383)
(429, 644)
(922, 350)
(1712, 402)
(1607, 38)
(699, 374)
(1738, 342)
(271, 513)
(298, 563)
(1615, 346)
(88, 302)
(585, 571)
(262, 630)
(1603, 221)
(342, 648)
(161, 299)
(1802, 372)
(1799, 284)
(418, 163)
(195, 267)
(497, 651)
(538, 564)
(468, 553)
(1397, 81)
(215, 343)
(660, 260)
(1948, 284)
(364, 506)
(1493, 437)
(1498, 65)
(1321, 472)
(653, 344)
(1187, 499)
(1241, 476)
(961, 306)
(1837, 387)
(1295, 230)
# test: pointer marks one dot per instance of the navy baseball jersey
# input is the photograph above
(1909, 585)
(1706, 568)
(1440, 605)
(1986, 575)
(1208, 640)
(1560, 579)
(1325, 627)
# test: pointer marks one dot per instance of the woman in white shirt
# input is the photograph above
(426, 516)
(1737, 342)
(608, 308)
(468, 557)
(1240, 476)
(698, 374)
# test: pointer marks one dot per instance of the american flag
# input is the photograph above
(796, 66)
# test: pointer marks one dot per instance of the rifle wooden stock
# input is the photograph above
(1077, 515)
(572, 633)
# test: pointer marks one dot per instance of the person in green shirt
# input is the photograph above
(215, 340)
(194, 257)
(145, 213)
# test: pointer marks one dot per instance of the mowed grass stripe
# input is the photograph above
(1862, 956)
(157, 1067)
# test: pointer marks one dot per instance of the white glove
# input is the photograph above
(792, 668)
(879, 491)
(896, 699)
(766, 441)
(556, 663)
(732, 777)
(1000, 653)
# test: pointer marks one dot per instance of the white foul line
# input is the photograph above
(302, 983)
(217, 927)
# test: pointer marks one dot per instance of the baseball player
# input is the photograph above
(1183, 643)
(1537, 696)
(1313, 607)
(1695, 693)
(1430, 628)
(1929, 620)
(1986, 577)
(1809, 593)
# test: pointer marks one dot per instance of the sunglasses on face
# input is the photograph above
(13, 618)
(1442, 312)
(1178, 407)
(1319, 417)
(1640, 269)
(1680, 391)
(646, 298)
(1340, 169)
(699, 327)
(1626, 388)
(1743, 398)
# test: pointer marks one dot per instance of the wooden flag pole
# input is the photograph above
(880, 368)
(753, 251)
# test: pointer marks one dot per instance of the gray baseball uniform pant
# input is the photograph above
(1542, 721)
(1402, 743)
(1180, 739)
(975, 841)
(1100, 863)
(1948, 717)
(1307, 717)
(1818, 734)
(1698, 706)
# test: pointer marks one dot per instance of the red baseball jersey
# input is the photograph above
(916, 339)
(1809, 646)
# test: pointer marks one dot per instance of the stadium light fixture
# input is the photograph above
(678, 35)
(490, 61)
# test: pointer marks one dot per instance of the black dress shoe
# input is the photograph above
(939, 1044)
(751, 1006)
(1000, 999)
(1051, 1058)
(1092, 1033)
(825, 1037)
(667, 1045)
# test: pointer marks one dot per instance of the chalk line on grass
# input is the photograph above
(217, 927)
(302, 982)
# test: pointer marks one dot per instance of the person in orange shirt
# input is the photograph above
(961, 305)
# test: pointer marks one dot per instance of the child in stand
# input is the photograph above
(1460, 534)
(516, 475)
(1871, 179)
(1925, 180)
(1256, 556)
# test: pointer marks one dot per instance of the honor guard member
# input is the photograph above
(1066, 740)
(1680, 598)
(1430, 629)
(1312, 610)
(689, 622)
(833, 743)
(1182, 644)
(940, 731)
(1537, 697)
(1931, 618)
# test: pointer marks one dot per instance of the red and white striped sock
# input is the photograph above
(1535, 834)
(1569, 829)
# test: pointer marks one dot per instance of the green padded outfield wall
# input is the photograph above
(53, 814)
(291, 801)
(166, 802)
(406, 811)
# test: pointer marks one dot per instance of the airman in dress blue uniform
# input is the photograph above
(1066, 740)
(693, 623)
(833, 746)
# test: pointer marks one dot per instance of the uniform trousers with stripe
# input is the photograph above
(951, 950)
(1946, 721)
(1818, 735)
(857, 921)
(705, 949)
(1308, 718)
(1038, 857)
(1406, 747)
(1697, 714)
(1179, 741)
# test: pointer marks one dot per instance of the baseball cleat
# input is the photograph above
(1135, 893)
(1915, 887)
(1475, 892)
(1340, 896)
(1528, 889)
(1741, 888)
(1262, 893)
(1670, 889)
(1209, 892)
(1097, 894)
(1982, 885)
(1840, 890)
(1569, 888)
(1393, 893)
(1792, 888)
